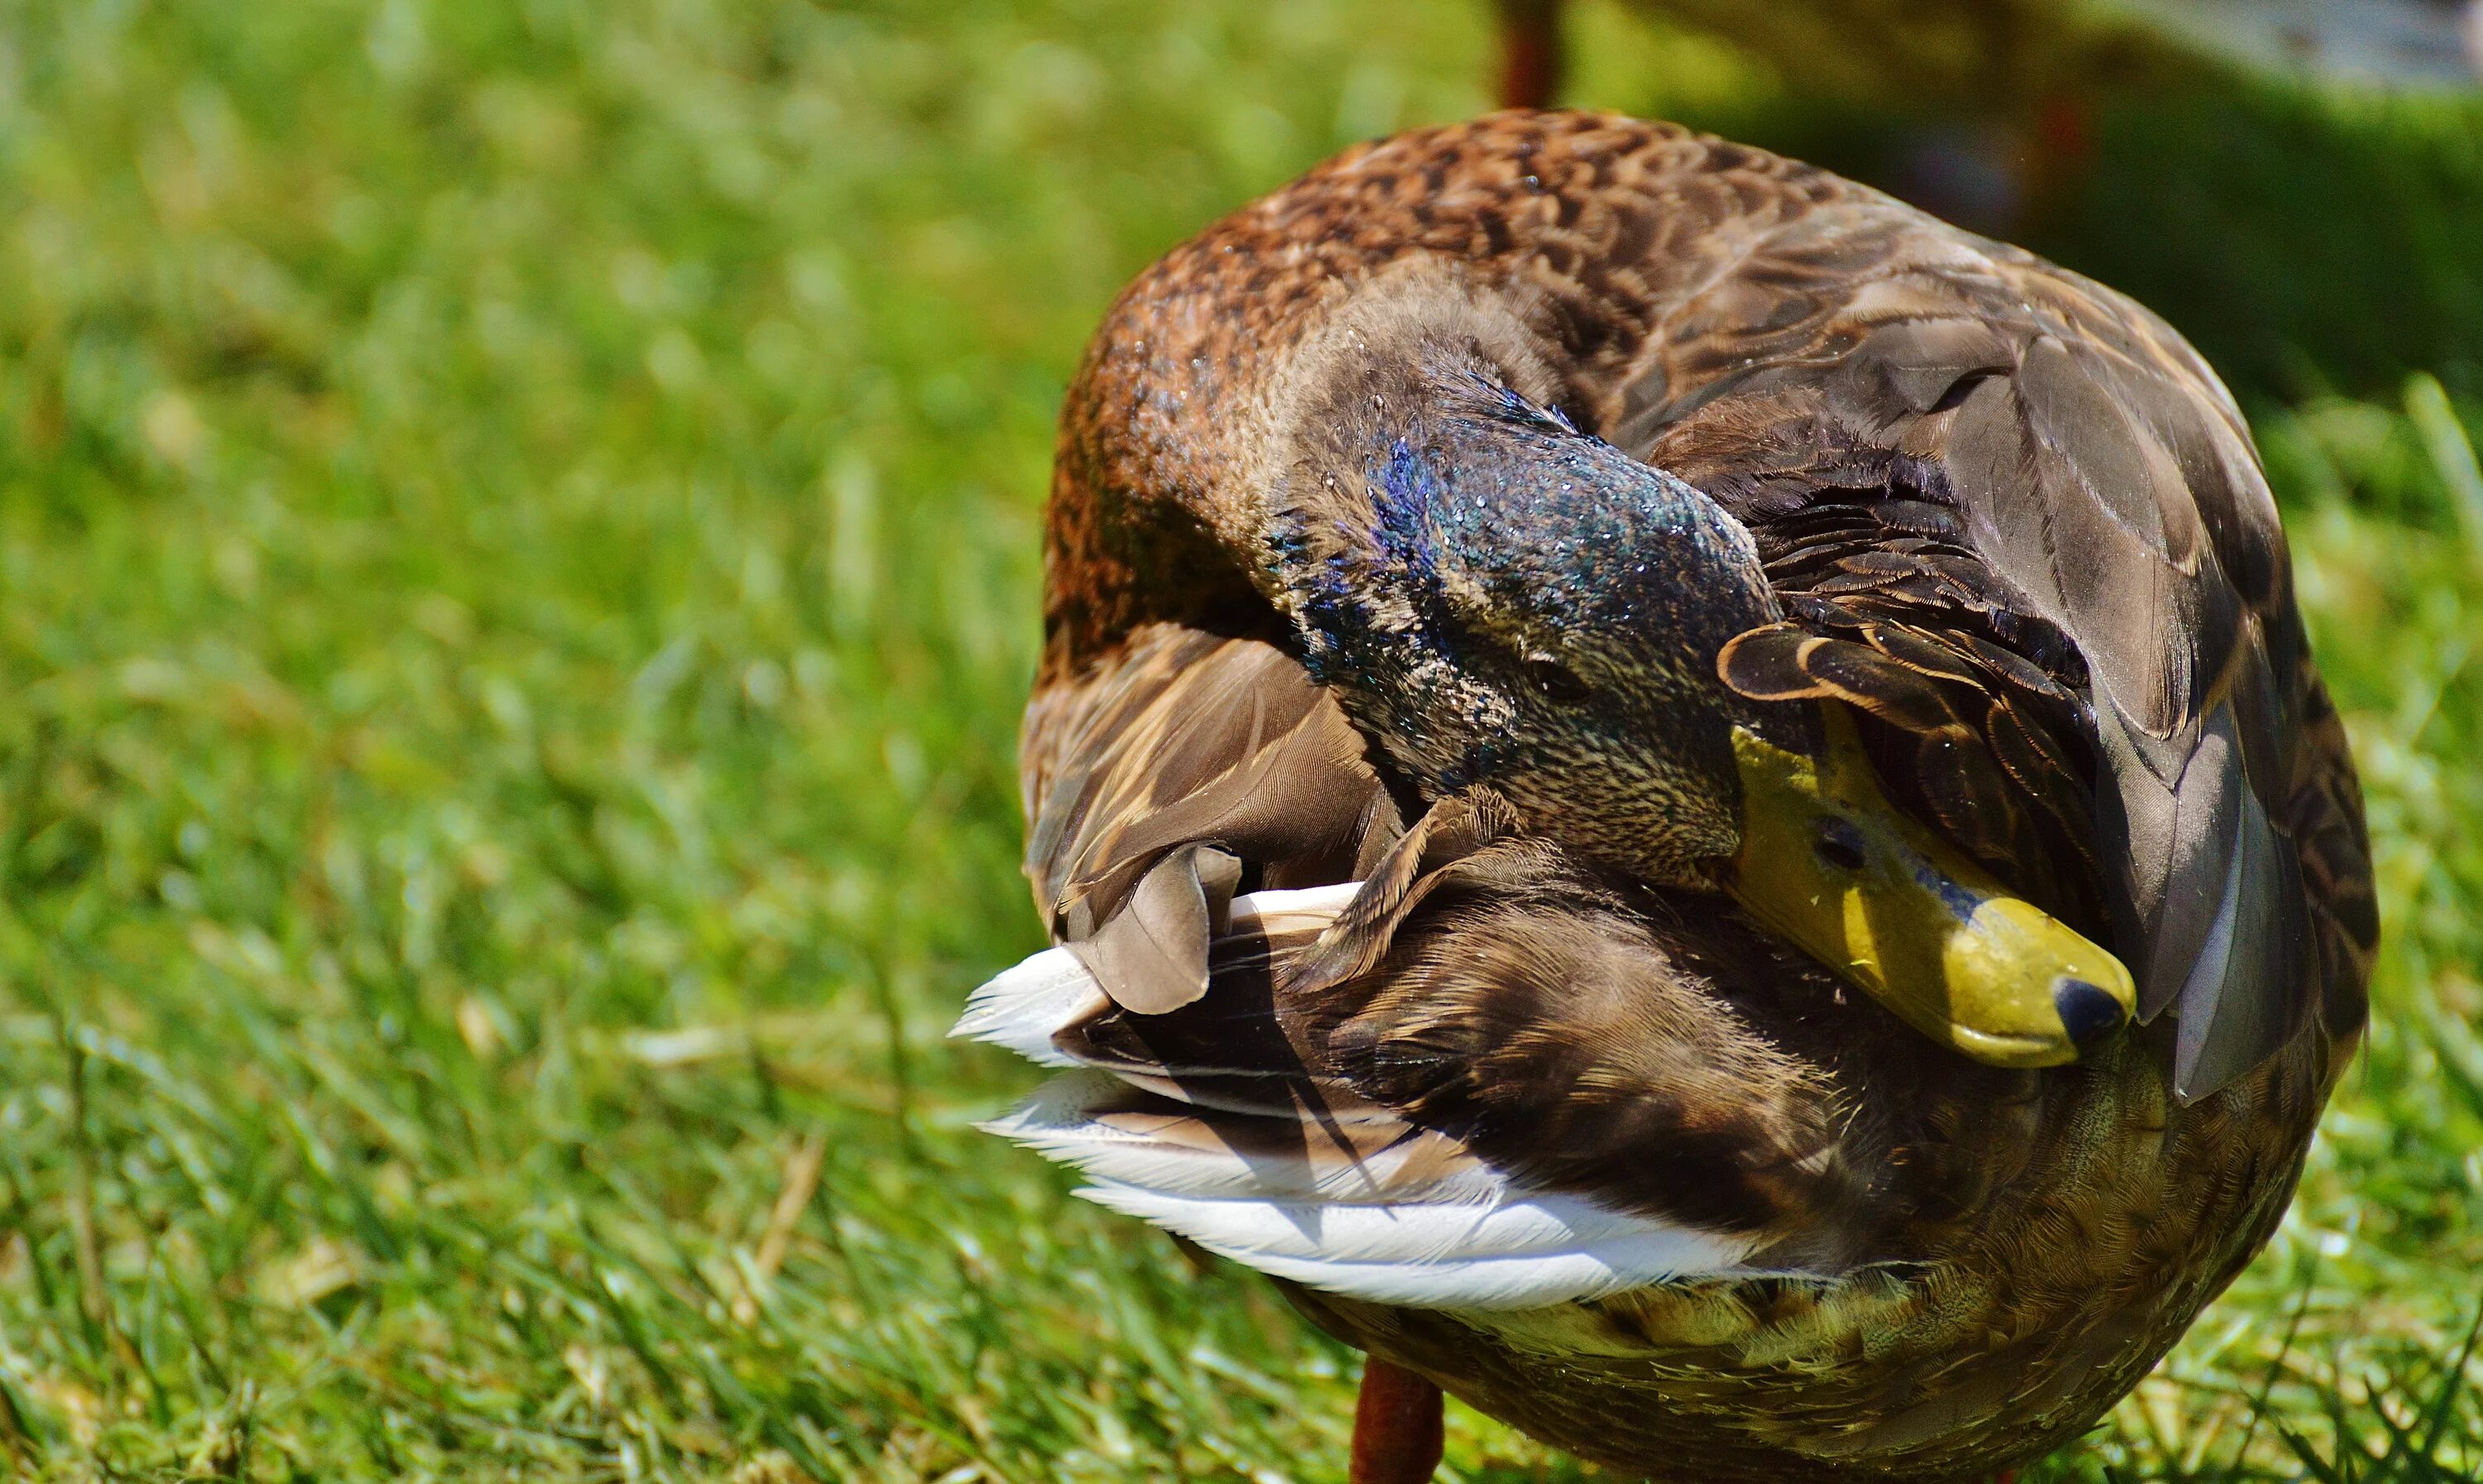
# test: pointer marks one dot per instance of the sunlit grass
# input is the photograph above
(518, 539)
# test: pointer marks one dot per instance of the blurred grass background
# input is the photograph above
(517, 537)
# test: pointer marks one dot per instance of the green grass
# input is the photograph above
(516, 575)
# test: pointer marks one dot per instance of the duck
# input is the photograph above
(1689, 805)
(1992, 112)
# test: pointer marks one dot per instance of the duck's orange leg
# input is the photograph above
(1396, 1426)
(1530, 53)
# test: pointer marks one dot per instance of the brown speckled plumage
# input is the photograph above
(2014, 523)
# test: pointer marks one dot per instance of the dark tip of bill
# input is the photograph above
(2087, 1013)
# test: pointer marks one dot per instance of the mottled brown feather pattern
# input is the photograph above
(1599, 222)
(2016, 524)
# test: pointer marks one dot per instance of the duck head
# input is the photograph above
(1504, 601)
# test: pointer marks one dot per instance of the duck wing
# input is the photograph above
(1429, 1063)
(2020, 526)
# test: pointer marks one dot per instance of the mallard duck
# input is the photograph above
(1977, 53)
(1691, 804)
(1993, 106)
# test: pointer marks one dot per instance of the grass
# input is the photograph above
(517, 535)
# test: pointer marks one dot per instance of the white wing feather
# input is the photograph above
(1390, 1213)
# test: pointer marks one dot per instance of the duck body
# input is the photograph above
(1498, 1088)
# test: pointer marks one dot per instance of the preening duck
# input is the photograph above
(1691, 804)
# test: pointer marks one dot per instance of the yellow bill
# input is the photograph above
(1828, 863)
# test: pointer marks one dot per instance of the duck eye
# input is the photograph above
(1839, 844)
(1553, 680)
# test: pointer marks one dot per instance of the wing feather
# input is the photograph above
(1453, 1072)
(1370, 1206)
(2098, 530)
